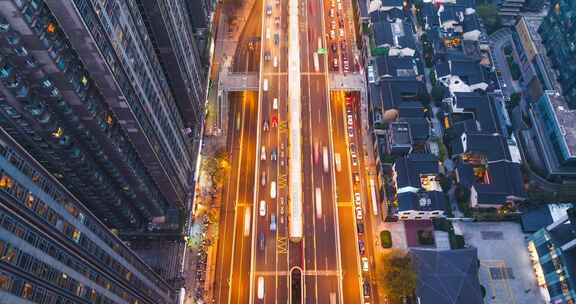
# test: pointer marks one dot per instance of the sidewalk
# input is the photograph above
(199, 268)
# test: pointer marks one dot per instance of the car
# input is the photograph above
(331, 13)
(341, 32)
(261, 241)
(275, 102)
(263, 153)
(358, 213)
(267, 56)
(265, 85)
(273, 190)
(277, 21)
(268, 10)
(281, 201)
(334, 47)
(365, 264)
(276, 39)
(353, 148)
(341, 23)
(348, 97)
(274, 121)
(262, 209)
(268, 33)
(332, 34)
(275, 62)
(273, 222)
(357, 198)
(354, 161)
(260, 288)
(366, 289)
(361, 247)
(333, 25)
(277, 2)
(350, 131)
(360, 227)
(273, 155)
(356, 178)
(265, 125)
(282, 146)
(281, 210)
(343, 45)
(335, 63)
(350, 119)
(263, 178)
(340, 6)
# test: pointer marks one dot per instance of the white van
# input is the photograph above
(275, 104)
(260, 288)
(262, 208)
(265, 86)
(273, 189)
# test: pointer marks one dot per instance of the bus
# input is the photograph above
(247, 217)
(318, 201)
(373, 197)
(325, 158)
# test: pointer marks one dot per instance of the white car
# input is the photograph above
(358, 213)
(268, 33)
(273, 190)
(265, 125)
(275, 102)
(339, 5)
(357, 198)
(350, 120)
(364, 263)
(262, 208)
(265, 85)
(341, 32)
(263, 153)
(260, 288)
(273, 222)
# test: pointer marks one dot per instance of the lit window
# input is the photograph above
(84, 80)
(109, 120)
(30, 201)
(27, 291)
(5, 182)
(50, 28)
(5, 282)
(58, 133)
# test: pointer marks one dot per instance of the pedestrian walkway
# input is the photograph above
(352, 82)
(239, 82)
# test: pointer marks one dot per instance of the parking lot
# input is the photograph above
(505, 268)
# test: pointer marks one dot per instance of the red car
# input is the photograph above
(274, 121)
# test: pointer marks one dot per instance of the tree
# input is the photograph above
(489, 14)
(514, 100)
(215, 166)
(397, 276)
(437, 93)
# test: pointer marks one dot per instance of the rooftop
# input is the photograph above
(398, 67)
(447, 277)
(422, 201)
(565, 117)
(416, 170)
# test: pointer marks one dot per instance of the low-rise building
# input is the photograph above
(447, 276)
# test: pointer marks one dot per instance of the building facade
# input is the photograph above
(85, 88)
(54, 250)
(553, 253)
(558, 32)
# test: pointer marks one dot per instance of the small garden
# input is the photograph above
(512, 65)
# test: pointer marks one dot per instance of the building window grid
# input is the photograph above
(17, 191)
(59, 47)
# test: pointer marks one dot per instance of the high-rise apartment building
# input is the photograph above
(100, 96)
(558, 32)
(54, 250)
